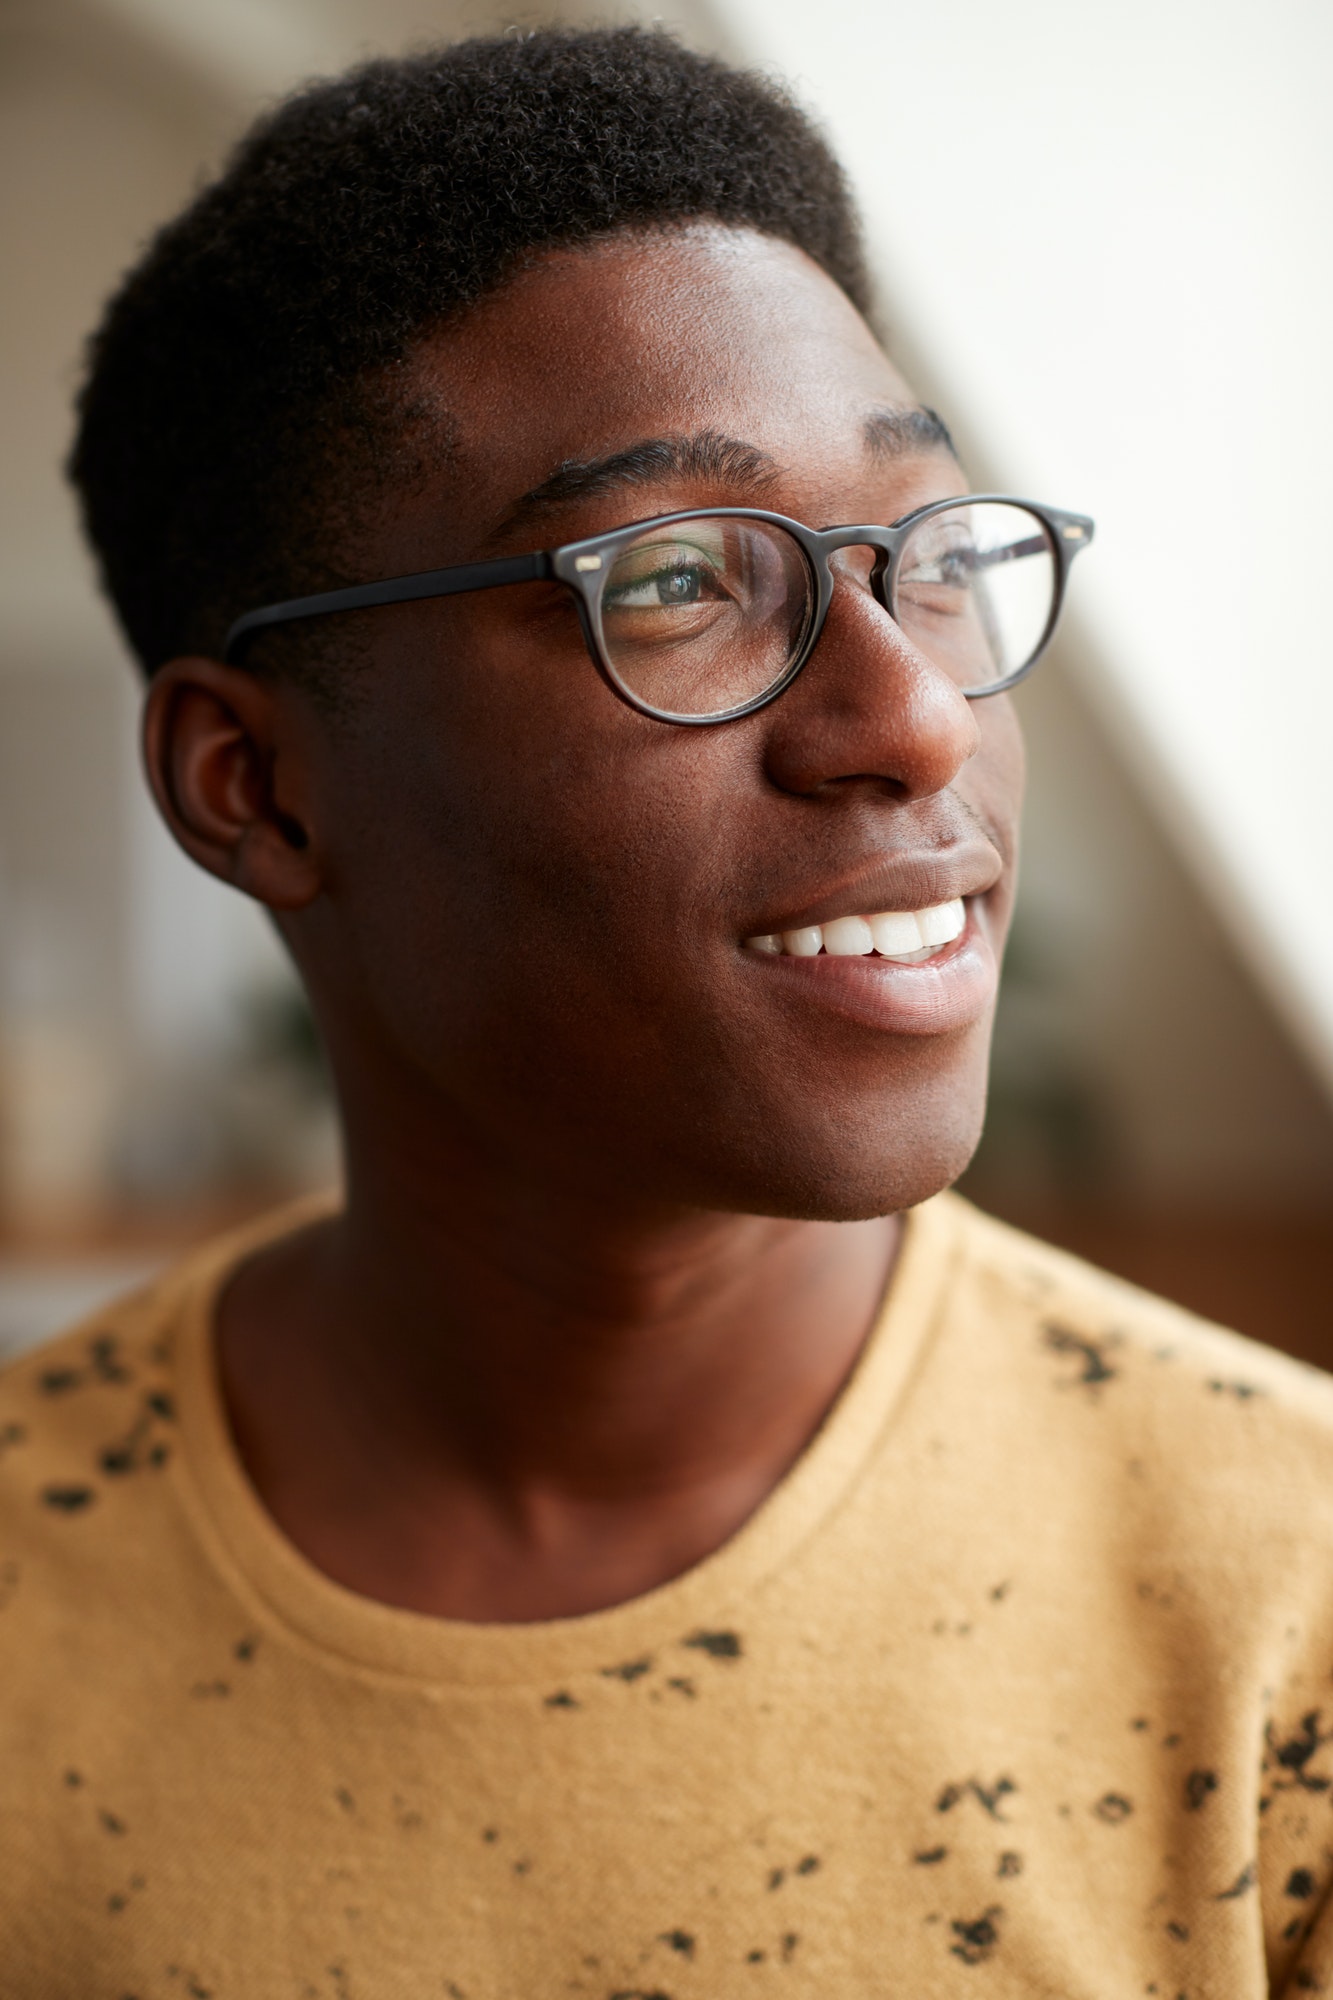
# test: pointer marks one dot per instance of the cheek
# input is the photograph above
(511, 852)
(993, 785)
(535, 894)
(999, 769)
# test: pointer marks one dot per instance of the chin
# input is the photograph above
(857, 1190)
(851, 1165)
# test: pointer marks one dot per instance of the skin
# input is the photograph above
(621, 1194)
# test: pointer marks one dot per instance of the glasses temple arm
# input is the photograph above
(395, 590)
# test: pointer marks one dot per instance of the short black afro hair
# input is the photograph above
(245, 386)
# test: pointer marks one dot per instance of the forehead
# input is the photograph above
(590, 349)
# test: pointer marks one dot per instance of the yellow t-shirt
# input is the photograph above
(1018, 1685)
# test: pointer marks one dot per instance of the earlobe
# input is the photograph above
(227, 780)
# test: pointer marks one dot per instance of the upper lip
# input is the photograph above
(894, 882)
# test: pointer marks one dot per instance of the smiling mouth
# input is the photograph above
(907, 937)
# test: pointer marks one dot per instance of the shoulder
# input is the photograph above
(89, 1407)
(89, 1420)
(88, 1449)
(1105, 1324)
(1230, 1425)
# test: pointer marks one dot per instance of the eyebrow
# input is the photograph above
(891, 433)
(707, 456)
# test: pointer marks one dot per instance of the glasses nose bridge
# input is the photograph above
(879, 539)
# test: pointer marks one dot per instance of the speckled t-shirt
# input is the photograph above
(1019, 1684)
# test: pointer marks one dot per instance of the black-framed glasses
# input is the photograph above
(706, 615)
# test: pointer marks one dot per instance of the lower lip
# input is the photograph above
(940, 996)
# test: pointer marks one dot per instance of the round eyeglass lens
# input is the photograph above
(701, 617)
(975, 590)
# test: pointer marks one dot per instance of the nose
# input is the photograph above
(868, 705)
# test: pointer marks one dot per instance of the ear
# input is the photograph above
(223, 759)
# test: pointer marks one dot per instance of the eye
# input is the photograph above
(956, 567)
(683, 584)
(662, 578)
(953, 566)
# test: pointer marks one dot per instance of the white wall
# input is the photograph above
(1104, 231)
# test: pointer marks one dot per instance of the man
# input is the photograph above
(648, 1540)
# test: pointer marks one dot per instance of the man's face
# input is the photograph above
(533, 928)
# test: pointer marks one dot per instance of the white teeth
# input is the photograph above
(942, 924)
(847, 937)
(907, 936)
(896, 932)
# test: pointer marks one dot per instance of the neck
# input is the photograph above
(501, 1401)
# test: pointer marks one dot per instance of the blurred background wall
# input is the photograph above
(1100, 238)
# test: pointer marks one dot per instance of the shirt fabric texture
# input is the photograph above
(1018, 1684)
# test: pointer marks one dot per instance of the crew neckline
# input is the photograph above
(284, 1591)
